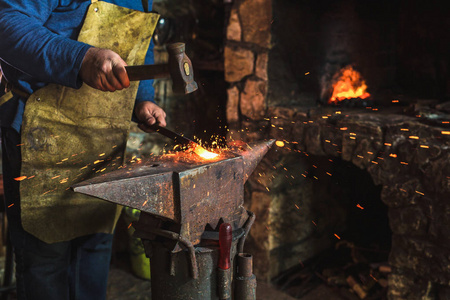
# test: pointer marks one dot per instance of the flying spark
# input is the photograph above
(279, 143)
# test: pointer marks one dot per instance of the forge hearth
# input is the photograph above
(411, 161)
(407, 156)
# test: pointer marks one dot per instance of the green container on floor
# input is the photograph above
(140, 264)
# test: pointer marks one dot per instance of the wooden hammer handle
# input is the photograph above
(145, 72)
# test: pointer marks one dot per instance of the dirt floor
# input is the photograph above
(125, 286)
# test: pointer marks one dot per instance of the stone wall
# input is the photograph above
(407, 155)
(410, 159)
(246, 55)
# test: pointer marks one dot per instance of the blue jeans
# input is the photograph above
(76, 269)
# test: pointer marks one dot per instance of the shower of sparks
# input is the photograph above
(359, 206)
(20, 178)
(11, 205)
(337, 236)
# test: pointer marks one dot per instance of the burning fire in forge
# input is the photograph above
(348, 84)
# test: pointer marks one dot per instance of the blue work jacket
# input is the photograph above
(38, 46)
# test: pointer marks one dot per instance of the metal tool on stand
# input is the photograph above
(182, 205)
(224, 265)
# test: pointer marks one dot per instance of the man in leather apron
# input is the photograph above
(65, 117)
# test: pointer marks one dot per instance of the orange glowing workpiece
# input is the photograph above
(203, 153)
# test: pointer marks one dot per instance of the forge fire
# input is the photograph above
(348, 84)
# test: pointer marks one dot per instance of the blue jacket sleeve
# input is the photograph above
(28, 46)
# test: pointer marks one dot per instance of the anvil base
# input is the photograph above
(180, 285)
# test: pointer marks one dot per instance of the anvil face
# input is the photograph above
(190, 194)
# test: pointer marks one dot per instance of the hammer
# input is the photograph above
(179, 69)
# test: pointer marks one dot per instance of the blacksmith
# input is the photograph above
(66, 106)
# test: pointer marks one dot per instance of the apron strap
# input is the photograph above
(145, 5)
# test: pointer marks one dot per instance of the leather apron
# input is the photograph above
(70, 135)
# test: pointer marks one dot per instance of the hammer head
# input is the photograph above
(180, 68)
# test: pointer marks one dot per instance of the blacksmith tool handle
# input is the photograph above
(177, 138)
(224, 267)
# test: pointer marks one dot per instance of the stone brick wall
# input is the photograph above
(246, 57)
(281, 237)
(411, 161)
(407, 156)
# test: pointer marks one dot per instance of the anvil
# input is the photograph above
(192, 194)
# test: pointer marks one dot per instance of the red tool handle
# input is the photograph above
(225, 239)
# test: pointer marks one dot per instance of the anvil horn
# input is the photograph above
(252, 153)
